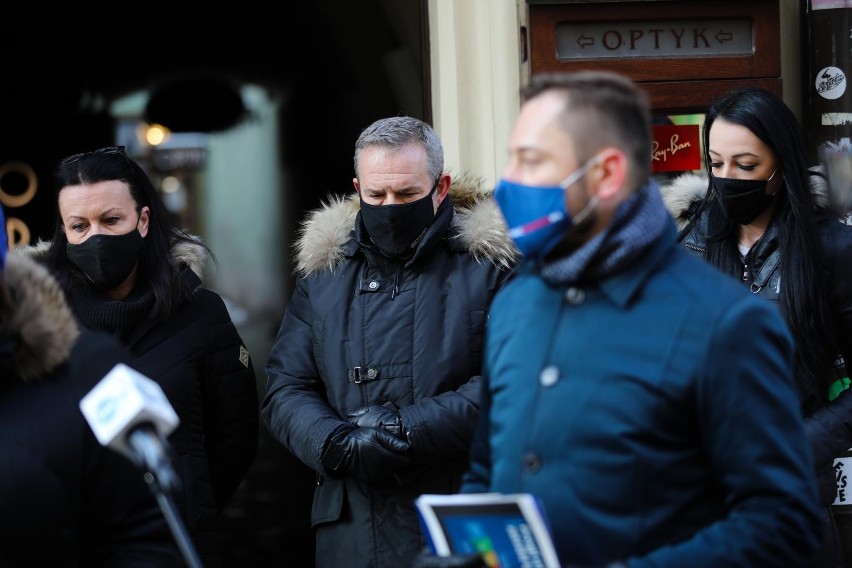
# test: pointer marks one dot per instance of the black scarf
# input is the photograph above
(96, 310)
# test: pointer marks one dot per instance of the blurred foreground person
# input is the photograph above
(128, 270)
(647, 399)
(373, 380)
(65, 500)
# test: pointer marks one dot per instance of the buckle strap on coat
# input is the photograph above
(358, 375)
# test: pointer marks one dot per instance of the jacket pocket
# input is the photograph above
(328, 502)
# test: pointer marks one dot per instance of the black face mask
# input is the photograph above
(397, 229)
(107, 260)
(743, 199)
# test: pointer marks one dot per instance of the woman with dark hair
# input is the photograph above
(762, 217)
(127, 269)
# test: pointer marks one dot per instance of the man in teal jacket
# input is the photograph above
(646, 398)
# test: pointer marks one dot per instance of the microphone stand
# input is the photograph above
(161, 478)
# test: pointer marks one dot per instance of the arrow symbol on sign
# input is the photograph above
(722, 37)
(585, 41)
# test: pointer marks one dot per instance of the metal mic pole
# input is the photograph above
(172, 518)
(151, 455)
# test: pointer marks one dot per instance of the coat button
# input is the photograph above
(373, 285)
(371, 373)
(531, 462)
(549, 376)
(575, 295)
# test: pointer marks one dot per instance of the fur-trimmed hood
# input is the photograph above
(40, 319)
(685, 190)
(182, 254)
(478, 223)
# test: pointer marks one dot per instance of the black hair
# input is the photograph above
(155, 267)
(803, 292)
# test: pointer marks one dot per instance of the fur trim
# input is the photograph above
(682, 192)
(322, 236)
(191, 255)
(40, 317)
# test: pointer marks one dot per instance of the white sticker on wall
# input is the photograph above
(842, 466)
(830, 83)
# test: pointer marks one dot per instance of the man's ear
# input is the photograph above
(443, 188)
(355, 184)
(609, 176)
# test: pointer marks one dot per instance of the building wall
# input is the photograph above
(477, 74)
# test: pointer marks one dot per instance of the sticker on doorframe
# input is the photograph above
(830, 83)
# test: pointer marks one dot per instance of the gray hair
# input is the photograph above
(398, 131)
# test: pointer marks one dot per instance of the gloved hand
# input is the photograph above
(385, 417)
(370, 454)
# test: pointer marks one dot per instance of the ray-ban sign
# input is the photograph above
(675, 148)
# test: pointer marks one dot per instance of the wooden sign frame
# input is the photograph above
(678, 84)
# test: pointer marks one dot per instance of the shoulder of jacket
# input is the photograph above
(478, 225)
(681, 193)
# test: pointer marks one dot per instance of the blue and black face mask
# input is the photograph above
(536, 215)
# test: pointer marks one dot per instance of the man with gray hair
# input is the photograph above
(373, 379)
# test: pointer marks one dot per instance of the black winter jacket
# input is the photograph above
(204, 368)
(65, 500)
(829, 427)
(361, 332)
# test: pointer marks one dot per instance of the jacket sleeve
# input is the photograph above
(830, 430)
(841, 293)
(294, 408)
(441, 428)
(478, 477)
(830, 427)
(231, 410)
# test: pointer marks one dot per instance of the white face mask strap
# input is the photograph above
(575, 176)
(770, 179)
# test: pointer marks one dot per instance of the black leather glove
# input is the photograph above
(385, 417)
(370, 454)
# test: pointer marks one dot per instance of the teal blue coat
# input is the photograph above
(654, 414)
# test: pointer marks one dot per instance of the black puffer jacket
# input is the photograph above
(829, 427)
(358, 332)
(203, 366)
(65, 500)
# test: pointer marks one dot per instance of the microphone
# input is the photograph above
(130, 414)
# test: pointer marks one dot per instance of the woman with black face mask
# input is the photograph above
(761, 216)
(128, 270)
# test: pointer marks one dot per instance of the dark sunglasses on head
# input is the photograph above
(106, 151)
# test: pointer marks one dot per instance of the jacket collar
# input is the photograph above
(623, 287)
(326, 235)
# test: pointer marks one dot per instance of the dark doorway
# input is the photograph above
(337, 66)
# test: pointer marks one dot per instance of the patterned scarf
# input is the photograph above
(637, 224)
